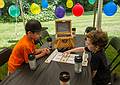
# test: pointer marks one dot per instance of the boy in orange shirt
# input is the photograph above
(26, 46)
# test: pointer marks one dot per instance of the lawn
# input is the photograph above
(109, 24)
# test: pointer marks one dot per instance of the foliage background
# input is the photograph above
(46, 14)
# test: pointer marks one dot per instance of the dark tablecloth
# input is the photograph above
(48, 74)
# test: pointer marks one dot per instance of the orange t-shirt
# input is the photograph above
(20, 53)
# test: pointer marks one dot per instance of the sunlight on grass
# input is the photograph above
(109, 24)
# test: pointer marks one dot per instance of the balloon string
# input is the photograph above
(15, 28)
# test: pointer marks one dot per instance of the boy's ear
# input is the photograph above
(29, 32)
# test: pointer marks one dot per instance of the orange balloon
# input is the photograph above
(2, 4)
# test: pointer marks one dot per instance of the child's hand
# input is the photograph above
(46, 50)
(66, 53)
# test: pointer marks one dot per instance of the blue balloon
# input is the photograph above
(59, 12)
(110, 9)
(44, 3)
(14, 11)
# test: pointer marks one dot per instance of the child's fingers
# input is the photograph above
(46, 50)
(66, 54)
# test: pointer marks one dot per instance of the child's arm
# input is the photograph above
(78, 49)
(41, 52)
(38, 51)
(40, 55)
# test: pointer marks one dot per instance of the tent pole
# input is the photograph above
(94, 19)
(99, 16)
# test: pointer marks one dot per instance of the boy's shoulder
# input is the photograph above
(23, 41)
(26, 42)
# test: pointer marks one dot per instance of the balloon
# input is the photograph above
(14, 11)
(59, 12)
(91, 1)
(78, 10)
(44, 3)
(2, 4)
(35, 9)
(110, 9)
(69, 3)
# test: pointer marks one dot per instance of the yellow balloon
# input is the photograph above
(2, 4)
(69, 3)
(35, 9)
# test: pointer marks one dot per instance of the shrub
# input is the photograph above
(45, 15)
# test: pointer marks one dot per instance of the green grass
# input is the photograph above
(3, 71)
(109, 24)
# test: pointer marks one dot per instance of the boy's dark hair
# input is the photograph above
(89, 29)
(33, 26)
